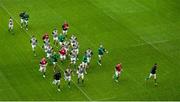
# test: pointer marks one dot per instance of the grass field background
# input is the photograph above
(136, 33)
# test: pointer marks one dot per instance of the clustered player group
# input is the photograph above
(67, 48)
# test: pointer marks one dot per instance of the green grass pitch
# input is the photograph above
(136, 33)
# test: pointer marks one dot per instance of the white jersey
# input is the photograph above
(10, 22)
(33, 41)
(81, 69)
(55, 33)
(89, 53)
(49, 49)
(73, 54)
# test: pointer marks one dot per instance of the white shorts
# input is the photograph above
(81, 75)
(42, 68)
(56, 82)
(152, 75)
(54, 63)
(62, 56)
(68, 78)
(26, 22)
(77, 50)
(60, 43)
(73, 60)
(64, 31)
(84, 64)
(33, 46)
(117, 73)
(88, 59)
(100, 56)
(55, 38)
(22, 21)
(48, 55)
(11, 26)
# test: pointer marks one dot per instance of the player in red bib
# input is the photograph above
(46, 38)
(43, 64)
(62, 53)
(65, 28)
(118, 70)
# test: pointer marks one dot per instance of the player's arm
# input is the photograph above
(105, 50)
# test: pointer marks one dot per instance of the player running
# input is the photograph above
(89, 54)
(11, 25)
(33, 42)
(61, 39)
(46, 38)
(118, 70)
(76, 48)
(55, 36)
(57, 80)
(67, 76)
(85, 63)
(24, 20)
(49, 51)
(73, 58)
(65, 28)
(101, 52)
(21, 15)
(54, 59)
(43, 64)
(80, 72)
(73, 40)
(153, 74)
(62, 53)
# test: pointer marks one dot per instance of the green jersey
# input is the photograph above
(55, 57)
(85, 59)
(61, 38)
(101, 51)
(26, 17)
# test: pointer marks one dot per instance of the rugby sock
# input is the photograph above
(58, 86)
(69, 83)
(78, 80)
(99, 61)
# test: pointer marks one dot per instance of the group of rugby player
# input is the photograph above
(68, 49)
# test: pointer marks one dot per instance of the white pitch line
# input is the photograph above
(41, 48)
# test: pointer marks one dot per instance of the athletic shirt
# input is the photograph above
(88, 53)
(10, 22)
(33, 41)
(57, 76)
(68, 73)
(81, 70)
(118, 68)
(49, 50)
(85, 59)
(43, 62)
(73, 55)
(61, 38)
(101, 51)
(65, 26)
(62, 51)
(75, 46)
(45, 37)
(55, 33)
(153, 70)
(55, 57)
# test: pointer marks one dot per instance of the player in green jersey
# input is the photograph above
(101, 52)
(54, 59)
(61, 39)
